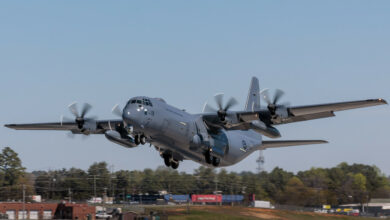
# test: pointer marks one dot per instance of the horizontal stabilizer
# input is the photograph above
(274, 144)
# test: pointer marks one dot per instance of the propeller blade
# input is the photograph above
(278, 94)
(116, 110)
(85, 109)
(65, 119)
(219, 100)
(232, 102)
(265, 95)
(208, 108)
(73, 109)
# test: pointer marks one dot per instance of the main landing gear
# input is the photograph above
(170, 162)
(140, 139)
(211, 159)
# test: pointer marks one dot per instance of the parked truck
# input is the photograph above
(262, 204)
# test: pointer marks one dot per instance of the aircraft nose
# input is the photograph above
(132, 116)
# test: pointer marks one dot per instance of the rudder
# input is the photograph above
(253, 100)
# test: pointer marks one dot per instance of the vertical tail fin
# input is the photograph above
(253, 101)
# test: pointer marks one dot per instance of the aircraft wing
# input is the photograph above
(275, 144)
(310, 112)
(242, 119)
(93, 126)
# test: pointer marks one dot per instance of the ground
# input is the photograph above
(239, 213)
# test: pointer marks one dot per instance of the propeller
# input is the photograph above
(80, 117)
(222, 109)
(273, 104)
(116, 110)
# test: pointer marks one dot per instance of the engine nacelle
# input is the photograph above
(116, 137)
(262, 128)
(88, 127)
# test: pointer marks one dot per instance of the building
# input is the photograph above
(17, 210)
(378, 207)
(75, 211)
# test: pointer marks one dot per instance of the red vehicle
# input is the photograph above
(206, 198)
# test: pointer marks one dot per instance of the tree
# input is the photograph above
(12, 175)
(99, 177)
(10, 167)
(295, 192)
(315, 187)
(359, 188)
(76, 181)
(205, 179)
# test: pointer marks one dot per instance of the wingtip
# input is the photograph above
(8, 125)
(382, 101)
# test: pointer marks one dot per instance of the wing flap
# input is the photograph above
(276, 144)
(308, 117)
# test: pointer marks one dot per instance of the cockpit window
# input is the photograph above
(141, 102)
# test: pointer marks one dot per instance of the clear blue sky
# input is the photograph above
(104, 52)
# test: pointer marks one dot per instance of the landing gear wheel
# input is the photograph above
(216, 161)
(142, 139)
(137, 140)
(175, 164)
(207, 157)
(167, 160)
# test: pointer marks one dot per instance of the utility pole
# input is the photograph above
(216, 184)
(70, 195)
(231, 193)
(94, 185)
(111, 181)
(24, 202)
(105, 195)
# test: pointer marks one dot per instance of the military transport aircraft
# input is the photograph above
(216, 137)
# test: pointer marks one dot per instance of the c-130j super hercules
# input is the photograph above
(216, 137)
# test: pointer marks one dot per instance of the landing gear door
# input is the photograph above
(201, 130)
(220, 144)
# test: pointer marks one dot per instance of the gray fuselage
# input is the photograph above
(173, 130)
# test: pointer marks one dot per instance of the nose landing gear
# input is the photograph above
(140, 139)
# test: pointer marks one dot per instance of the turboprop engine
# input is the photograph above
(117, 138)
(262, 128)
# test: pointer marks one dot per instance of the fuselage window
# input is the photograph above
(133, 101)
(139, 101)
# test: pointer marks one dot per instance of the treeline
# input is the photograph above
(342, 184)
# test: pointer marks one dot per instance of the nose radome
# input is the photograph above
(132, 116)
